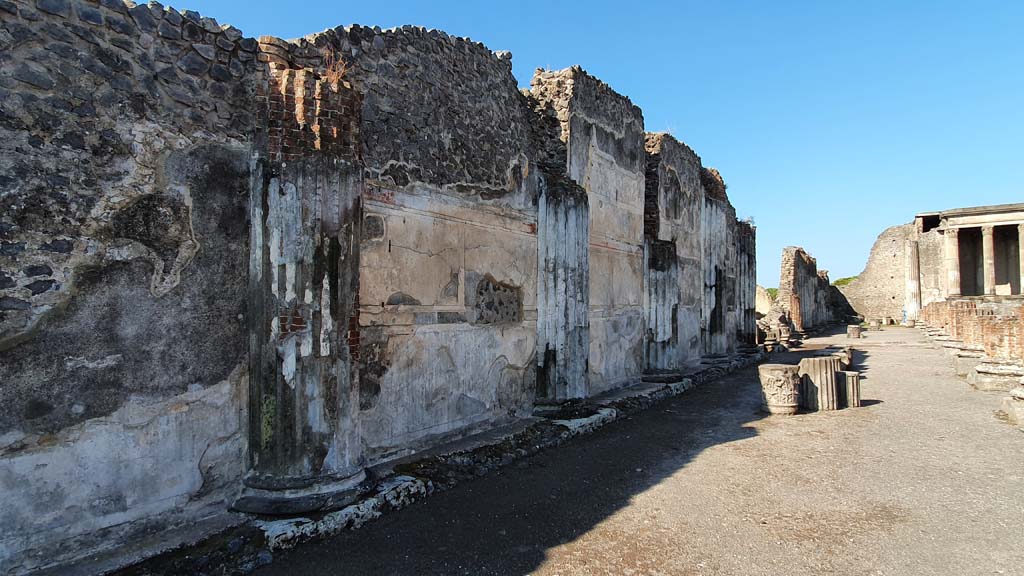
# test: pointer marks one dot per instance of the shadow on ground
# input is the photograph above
(506, 522)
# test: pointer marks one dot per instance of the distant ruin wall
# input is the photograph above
(232, 268)
(880, 290)
(804, 291)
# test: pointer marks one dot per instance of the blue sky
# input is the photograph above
(830, 121)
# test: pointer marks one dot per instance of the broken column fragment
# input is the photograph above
(818, 383)
(780, 388)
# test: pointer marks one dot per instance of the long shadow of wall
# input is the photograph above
(506, 523)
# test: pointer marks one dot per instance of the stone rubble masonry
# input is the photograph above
(880, 289)
(232, 268)
(805, 294)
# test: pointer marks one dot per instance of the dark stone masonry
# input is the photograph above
(237, 273)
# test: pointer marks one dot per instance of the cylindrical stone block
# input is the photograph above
(848, 386)
(780, 388)
(818, 383)
(853, 331)
(874, 324)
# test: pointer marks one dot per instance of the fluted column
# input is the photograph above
(952, 262)
(988, 247)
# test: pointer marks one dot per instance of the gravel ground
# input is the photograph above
(923, 479)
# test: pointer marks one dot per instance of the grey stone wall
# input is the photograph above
(123, 242)
(673, 204)
(604, 140)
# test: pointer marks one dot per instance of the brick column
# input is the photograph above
(952, 262)
(1020, 256)
(988, 247)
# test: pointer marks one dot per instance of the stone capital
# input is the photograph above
(987, 230)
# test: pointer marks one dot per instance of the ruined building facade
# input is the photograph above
(960, 271)
(236, 273)
(962, 253)
(806, 301)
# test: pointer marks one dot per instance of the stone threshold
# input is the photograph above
(397, 483)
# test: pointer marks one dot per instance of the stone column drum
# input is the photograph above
(853, 331)
(988, 250)
(818, 383)
(952, 263)
(780, 388)
(848, 386)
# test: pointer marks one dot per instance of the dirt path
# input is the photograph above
(923, 480)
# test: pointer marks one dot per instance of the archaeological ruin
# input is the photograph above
(235, 274)
(805, 302)
(960, 273)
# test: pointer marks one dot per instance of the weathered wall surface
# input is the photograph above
(804, 290)
(718, 229)
(880, 290)
(231, 272)
(123, 240)
(604, 137)
(674, 202)
(447, 289)
(746, 283)
(931, 254)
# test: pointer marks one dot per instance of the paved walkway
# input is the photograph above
(923, 480)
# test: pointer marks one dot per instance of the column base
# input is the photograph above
(289, 496)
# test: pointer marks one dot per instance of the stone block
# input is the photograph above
(854, 331)
(965, 362)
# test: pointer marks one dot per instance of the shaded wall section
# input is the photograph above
(124, 167)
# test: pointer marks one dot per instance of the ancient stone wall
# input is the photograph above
(931, 254)
(604, 138)
(804, 291)
(236, 273)
(718, 230)
(674, 202)
(746, 283)
(880, 290)
(447, 296)
(124, 172)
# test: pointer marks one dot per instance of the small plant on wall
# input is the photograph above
(335, 68)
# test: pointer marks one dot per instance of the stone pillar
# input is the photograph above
(818, 383)
(988, 247)
(1020, 255)
(912, 297)
(952, 262)
(780, 388)
(304, 207)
